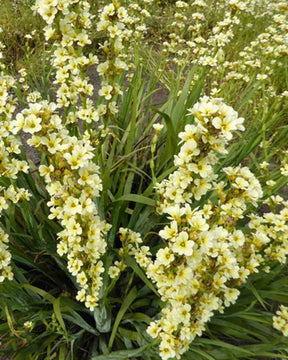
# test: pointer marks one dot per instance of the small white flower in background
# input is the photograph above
(280, 320)
(261, 77)
(181, 4)
(270, 183)
(114, 272)
(264, 165)
(284, 168)
(106, 91)
(158, 127)
(28, 325)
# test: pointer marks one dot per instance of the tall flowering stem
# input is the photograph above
(68, 25)
(207, 255)
(10, 165)
(123, 27)
(71, 175)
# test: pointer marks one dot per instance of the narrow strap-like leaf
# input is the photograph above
(125, 305)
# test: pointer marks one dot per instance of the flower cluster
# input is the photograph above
(271, 230)
(280, 322)
(128, 239)
(10, 166)
(207, 255)
(207, 43)
(73, 183)
(174, 46)
(264, 53)
(11, 194)
(284, 165)
(197, 43)
(113, 23)
(212, 52)
(139, 13)
(69, 170)
(214, 124)
(68, 24)
(122, 28)
(5, 257)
